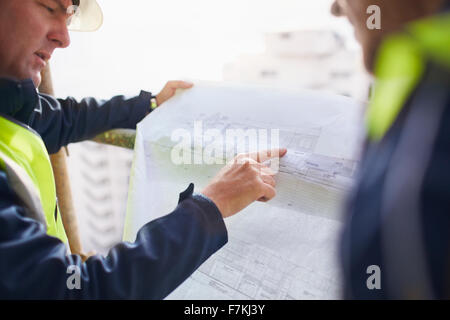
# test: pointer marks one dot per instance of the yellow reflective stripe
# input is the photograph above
(433, 34)
(398, 71)
(28, 150)
(400, 65)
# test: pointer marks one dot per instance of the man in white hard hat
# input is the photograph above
(33, 255)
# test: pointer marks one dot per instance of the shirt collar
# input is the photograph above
(18, 99)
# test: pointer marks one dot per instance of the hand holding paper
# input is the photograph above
(243, 181)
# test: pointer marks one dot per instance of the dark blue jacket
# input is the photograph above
(34, 265)
(399, 213)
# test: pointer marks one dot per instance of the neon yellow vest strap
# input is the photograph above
(27, 150)
(400, 65)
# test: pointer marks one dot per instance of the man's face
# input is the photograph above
(30, 30)
(394, 15)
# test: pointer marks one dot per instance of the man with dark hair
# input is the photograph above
(396, 241)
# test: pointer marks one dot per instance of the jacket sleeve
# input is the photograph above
(63, 121)
(167, 251)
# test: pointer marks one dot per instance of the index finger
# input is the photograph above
(265, 155)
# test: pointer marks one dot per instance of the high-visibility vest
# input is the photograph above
(411, 71)
(400, 65)
(25, 160)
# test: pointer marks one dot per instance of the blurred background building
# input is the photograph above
(143, 44)
(313, 59)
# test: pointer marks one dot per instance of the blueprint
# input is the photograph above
(286, 248)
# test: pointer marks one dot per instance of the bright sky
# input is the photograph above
(142, 44)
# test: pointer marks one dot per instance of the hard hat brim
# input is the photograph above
(88, 17)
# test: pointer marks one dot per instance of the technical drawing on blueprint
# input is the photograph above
(286, 248)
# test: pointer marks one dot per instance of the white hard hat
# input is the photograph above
(86, 15)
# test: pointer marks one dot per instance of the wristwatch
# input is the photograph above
(153, 103)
